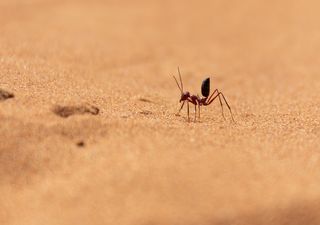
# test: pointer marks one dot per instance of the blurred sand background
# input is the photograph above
(135, 162)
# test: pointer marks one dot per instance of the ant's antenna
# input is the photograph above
(178, 84)
(180, 78)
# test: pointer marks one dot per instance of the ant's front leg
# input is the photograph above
(177, 114)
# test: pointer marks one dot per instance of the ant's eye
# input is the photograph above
(205, 87)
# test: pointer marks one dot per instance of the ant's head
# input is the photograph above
(184, 96)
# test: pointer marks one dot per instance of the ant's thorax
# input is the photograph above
(194, 99)
(203, 100)
(199, 100)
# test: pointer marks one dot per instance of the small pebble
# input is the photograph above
(80, 144)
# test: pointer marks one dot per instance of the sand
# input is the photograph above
(89, 133)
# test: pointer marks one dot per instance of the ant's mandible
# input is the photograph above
(196, 100)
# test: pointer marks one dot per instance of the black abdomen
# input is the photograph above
(205, 87)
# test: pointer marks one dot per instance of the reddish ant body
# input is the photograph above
(196, 100)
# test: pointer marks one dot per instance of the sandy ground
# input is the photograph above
(90, 136)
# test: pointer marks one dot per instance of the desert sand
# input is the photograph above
(88, 131)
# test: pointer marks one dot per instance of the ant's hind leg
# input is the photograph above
(221, 107)
(199, 111)
(220, 93)
(195, 113)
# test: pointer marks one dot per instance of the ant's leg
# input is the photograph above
(188, 112)
(195, 113)
(221, 107)
(210, 100)
(199, 110)
(181, 108)
(215, 91)
(220, 93)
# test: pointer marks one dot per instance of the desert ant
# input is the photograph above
(201, 101)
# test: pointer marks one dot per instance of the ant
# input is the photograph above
(196, 100)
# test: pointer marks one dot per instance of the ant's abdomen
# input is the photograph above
(205, 87)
